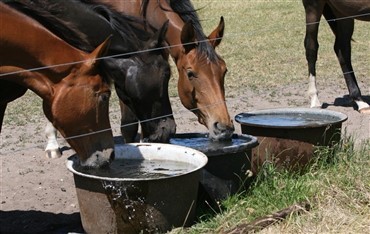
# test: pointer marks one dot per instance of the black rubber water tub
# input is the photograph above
(228, 164)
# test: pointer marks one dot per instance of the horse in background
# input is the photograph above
(75, 94)
(142, 78)
(201, 70)
(341, 17)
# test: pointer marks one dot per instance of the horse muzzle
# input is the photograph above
(221, 132)
(162, 132)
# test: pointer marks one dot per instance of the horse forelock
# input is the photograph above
(205, 48)
(187, 12)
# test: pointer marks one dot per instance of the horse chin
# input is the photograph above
(157, 138)
(221, 135)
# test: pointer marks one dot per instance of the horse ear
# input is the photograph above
(159, 37)
(188, 39)
(216, 36)
(100, 51)
(162, 32)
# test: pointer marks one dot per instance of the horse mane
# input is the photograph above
(60, 28)
(131, 28)
(187, 12)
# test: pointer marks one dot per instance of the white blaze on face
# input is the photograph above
(312, 91)
(132, 71)
(98, 158)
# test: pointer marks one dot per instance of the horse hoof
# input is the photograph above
(365, 111)
(53, 153)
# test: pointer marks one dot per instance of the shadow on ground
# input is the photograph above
(345, 101)
(32, 221)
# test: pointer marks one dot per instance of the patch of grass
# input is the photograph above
(27, 109)
(342, 201)
(338, 181)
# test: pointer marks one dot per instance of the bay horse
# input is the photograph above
(142, 78)
(75, 94)
(341, 16)
(201, 70)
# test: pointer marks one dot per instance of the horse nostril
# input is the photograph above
(223, 128)
(217, 126)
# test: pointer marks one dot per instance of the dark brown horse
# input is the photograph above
(341, 15)
(201, 70)
(75, 96)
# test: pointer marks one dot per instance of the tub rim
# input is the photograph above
(291, 110)
(202, 161)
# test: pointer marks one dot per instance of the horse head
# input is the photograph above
(78, 108)
(143, 91)
(201, 80)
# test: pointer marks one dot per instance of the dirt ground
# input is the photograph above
(38, 194)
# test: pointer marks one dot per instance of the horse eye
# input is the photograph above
(104, 97)
(190, 74)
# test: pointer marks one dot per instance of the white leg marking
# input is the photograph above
(363, 107)
(52, 147)
(312, 92)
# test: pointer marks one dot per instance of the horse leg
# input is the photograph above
(52, 149)
(313, 11)
(343, 30)
(129, 123)
(2, 113)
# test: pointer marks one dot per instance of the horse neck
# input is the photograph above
(97, 26)
(90, 25)
(40, 49)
